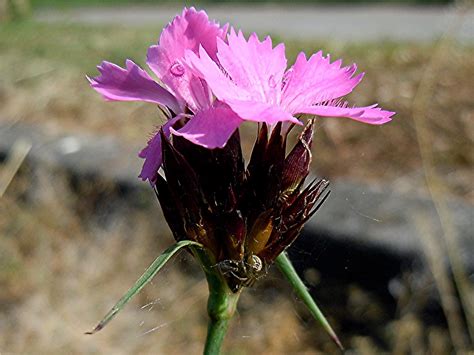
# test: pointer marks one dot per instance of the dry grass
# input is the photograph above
(64, 262)
(462, 285)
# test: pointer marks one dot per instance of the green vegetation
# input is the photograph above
(77, 46)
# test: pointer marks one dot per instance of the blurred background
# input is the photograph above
(388, 257)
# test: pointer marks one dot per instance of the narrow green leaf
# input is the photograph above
(287, 269)
(152, 270)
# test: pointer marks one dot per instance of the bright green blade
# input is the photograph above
(287, 269)
(143, 280)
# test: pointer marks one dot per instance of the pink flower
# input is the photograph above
(213, 83)
(181, 91)
(250, 78)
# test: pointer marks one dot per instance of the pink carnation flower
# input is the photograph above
(218, 81)
(182, 92)
(251, 78)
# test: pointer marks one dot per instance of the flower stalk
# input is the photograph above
(221, 304)
(221, 307)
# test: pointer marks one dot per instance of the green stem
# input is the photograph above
(221, 304)
(221, 307)
(215, 336)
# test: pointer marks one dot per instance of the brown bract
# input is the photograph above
(244, 216)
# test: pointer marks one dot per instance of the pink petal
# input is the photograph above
(210, 128)
(152, 153)
(261, 112)
(130, 84)
(252, 86)
(238, 98)
(316, 80)
(190, 90)
(221, 85)
(189, 31)
(369, 114)
(254, 66)
(186, 32)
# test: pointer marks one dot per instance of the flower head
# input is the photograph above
(214, 81)
(250, 76)
(209, 83)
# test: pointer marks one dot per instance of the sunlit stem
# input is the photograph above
(221, 304)
(221, 307)
(287, 269)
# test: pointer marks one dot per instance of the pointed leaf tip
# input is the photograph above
(95, 330)
(147, 276)
(287, 269)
